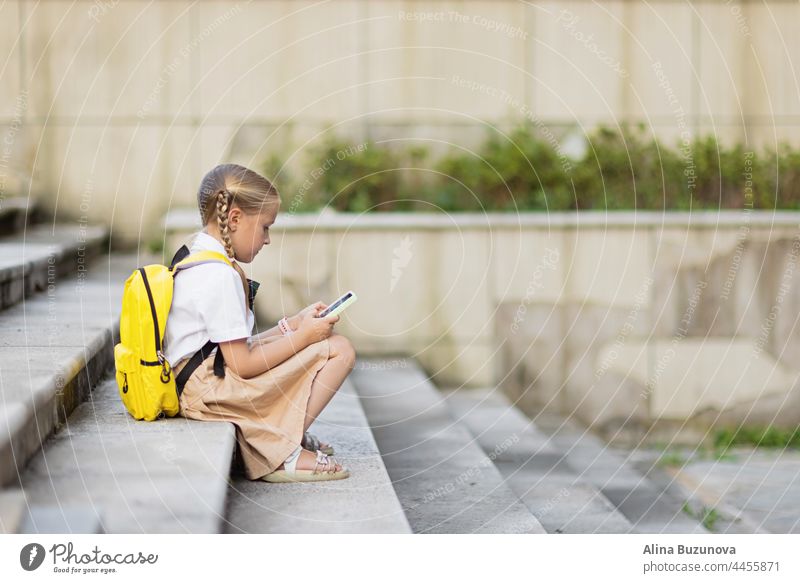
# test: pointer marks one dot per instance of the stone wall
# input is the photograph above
(630, 321)
(112, 110)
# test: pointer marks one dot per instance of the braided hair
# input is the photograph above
(224, 199)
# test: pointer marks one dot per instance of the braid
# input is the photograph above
(223, 205)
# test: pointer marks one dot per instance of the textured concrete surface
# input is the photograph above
(649, 507)
(651, 512)
(759, 486)
(64, 518)
(533, 467)
(34, 258)
(363, 503)
(444, 480)
(167, 476)
(57, 345)
(13, 507)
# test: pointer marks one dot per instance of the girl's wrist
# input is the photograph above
(285, 327)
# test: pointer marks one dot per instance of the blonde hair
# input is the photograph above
(229, 185)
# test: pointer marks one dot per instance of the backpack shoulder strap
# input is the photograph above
(181, 254)
(184, 260)
(198, 259)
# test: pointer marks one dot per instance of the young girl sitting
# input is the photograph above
(271, 386)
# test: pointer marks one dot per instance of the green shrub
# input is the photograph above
(623, 168)
(349, 178)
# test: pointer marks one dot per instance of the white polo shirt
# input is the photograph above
(208, 303)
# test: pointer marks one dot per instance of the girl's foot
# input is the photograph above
(308, 461)
(312, 443)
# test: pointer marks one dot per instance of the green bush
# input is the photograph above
(623, 168)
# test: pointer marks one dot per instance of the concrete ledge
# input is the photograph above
(55, 349)
(443, 479)
(32, 259)
(363, 503)
(61, 519)
(189, 220)
(13, 508)
(14, 213)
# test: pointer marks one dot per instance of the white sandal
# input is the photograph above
(324, 469)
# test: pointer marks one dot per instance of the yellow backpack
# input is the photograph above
(146, 383)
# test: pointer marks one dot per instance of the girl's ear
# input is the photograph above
(234, 215)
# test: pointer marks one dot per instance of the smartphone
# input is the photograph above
(336, 307)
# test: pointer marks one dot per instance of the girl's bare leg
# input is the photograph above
(330, 377)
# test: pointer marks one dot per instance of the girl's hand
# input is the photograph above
(314, 309)
(313, 329)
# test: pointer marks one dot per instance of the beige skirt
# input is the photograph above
(268, 410)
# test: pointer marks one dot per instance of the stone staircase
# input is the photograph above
(71, 458)
(445, 481)
(59, 318)
(469, 461)
(423, 460)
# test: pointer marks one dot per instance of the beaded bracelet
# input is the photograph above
(283, 324)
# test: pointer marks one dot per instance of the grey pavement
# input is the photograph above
(758, 487)
(534, 467)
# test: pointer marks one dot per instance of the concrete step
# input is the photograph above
(13, 508)
(363, 503)
(647, 505)
(34, 258)
(443, 479)
(54, 348)
(534, 468)
(120, 475)
(64, 518)
(15, 213)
